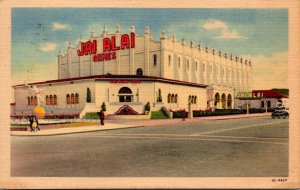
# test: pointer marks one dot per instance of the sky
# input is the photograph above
(38, 34)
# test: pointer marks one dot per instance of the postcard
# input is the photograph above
(149, 94)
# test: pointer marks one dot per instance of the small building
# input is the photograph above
(261, 99)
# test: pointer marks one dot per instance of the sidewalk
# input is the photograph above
(71, 130)
(121, 124)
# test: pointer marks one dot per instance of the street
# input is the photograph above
(248, 147)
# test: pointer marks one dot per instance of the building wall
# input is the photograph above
(213, 66)
(58, 89)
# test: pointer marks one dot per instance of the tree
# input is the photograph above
(88, 95)
(103, 107)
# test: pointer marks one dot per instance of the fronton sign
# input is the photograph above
(109, 47)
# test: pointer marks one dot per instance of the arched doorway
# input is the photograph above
(223, 100)
(217, 99)
(229, 101)
(125, 95)
(139, 72)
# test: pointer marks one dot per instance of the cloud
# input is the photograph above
(223, 28)
(270, 71)
(60, 26)
(48, 47)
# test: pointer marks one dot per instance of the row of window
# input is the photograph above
(172, 98)
(192, 99)
(72, 99)
(31, 100)
(51, 100)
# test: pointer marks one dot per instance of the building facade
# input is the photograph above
(130, 69)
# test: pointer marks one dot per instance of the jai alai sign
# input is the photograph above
(109, 47)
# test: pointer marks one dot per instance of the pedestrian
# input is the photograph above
(102, 116)
(183, 114)
(31, 122)
(36, 122)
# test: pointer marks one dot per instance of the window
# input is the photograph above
(172, 98)
(139, 72)
(31, 100)
(76, 98)
(195, 100)
(51, 100)
(154, 59)
(47, 100)
(217, 98)
(169, 98)
(269, 103)
(169, 60)
(68, 98)
(196, 66)
(178, 61)
(72, 98)
(125, 95)
(187, 63)
(176, 97)
(28, 100)
(55, 100)
(262, 104)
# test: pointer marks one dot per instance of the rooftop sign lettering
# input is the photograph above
(109, 47)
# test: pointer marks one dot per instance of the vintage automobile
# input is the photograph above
(280, 113)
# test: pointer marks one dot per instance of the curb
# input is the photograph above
(76, 132)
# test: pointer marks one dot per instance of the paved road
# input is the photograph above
(249, 147)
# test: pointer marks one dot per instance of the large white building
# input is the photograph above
(125, 71)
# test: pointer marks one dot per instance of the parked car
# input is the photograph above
(280, 113)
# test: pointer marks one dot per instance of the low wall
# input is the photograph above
(129, 117)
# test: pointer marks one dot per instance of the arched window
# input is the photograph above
(72, 98)
(223, 101)
(269, 103)
(76, 98)
(154, 59)
(190, 99)
(28, 100)
(172, 98)
(169, 60)
(178, 61)
(125, 95)
(176, 98)
(217, 99)
(47, 100)
(229, 101)
(55, 99)
(51, 100)
(31, 100)
(195, 100)
(187, 63)
(169, 98)
(68, 99)
(262, 104)
(139, 72)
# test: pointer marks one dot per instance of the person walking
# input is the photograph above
(183, 114)
(31, 119)
(102, 116)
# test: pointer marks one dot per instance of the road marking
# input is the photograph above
(256, 125)
(193, 139)
(235, 137)
(192, 135)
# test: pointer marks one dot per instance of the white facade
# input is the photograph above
(175, 67)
